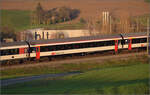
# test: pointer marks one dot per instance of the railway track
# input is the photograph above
(71, 56)
(96, 58)
(78, 59)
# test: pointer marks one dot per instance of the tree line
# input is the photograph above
(54, 15)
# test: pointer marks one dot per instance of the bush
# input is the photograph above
(82, 20)
(57, 15)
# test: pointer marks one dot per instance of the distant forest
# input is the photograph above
(54, 15)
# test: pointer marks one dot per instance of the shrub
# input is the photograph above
(62, 14)
(82, 20)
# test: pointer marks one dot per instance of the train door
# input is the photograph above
(119, 44)
(24, 52)
(21, 50)
(37, 52)
(129, 44)
(116, 46)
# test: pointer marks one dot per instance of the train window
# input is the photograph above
(143, 40)
(4, 52)
(9, 52)
(77, 46)
(139, 40)
(32, 49)
(106, 43)
(119, 41)
(109, 43)
(135, 41)
(44, 48)
(69, 46)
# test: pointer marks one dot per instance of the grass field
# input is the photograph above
(147, 1)
(130, 76)
(20, 20)
(37, 69)
(124, 80)
(16, 19)
(61, 26)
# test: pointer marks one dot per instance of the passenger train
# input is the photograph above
(78, 45)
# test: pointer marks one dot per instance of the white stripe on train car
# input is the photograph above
(13, 47)
(77, 51)
(33, 54)
(9, 57)
(139, 45)
(124, 46)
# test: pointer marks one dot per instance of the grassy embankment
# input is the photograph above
(127, 77)
(20, 20)
(37, 69)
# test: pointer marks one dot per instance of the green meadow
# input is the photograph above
(147, 1)
(122, 80)
(16, 19)
(115, 77)
(51, 68)
(21, 20)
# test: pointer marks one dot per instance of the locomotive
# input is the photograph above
(88, 44)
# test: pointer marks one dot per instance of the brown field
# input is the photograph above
(88, 8)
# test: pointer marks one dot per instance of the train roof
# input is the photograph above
(99, 37)
(13, 44)
(73, 39)
(135, 34)
(33, 42)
